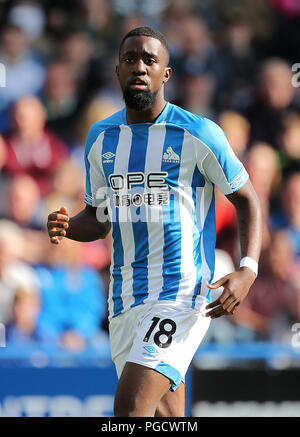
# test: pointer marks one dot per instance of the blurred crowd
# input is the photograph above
(233, 61)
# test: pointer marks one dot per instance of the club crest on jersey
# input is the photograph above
(170, 155)
(108, 157)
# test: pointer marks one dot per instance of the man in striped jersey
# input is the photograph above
(151, 170)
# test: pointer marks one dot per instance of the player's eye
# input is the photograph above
(149, 61)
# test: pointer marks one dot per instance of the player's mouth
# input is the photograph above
(138, 84)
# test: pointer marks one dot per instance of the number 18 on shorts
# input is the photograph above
(159, 336)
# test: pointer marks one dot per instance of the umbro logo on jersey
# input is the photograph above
(170, 155)
(150, 350)
(108, 157)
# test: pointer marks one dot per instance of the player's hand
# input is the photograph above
(236, 286)
(57, 225)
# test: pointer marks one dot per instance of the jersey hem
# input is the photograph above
(181, 305)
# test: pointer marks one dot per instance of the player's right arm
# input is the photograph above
(82, 227)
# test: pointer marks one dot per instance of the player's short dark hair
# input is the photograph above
(147, 31)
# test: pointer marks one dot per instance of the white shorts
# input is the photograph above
(160, 336)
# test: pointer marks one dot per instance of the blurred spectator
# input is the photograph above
(111, 93)
(98, 109)
(256, 13)
(98, 21)
(97, 12)
(237, 130)
(197, 47)
(23, 326)
(30, 17)
(262, 165)
(239, 59)
(2, 152)
(59, 16)
(23, 202)
(173, 18)
(198, 90)
(14, 273)
(273, 302)
(73, 302)
(68, 187)
(68, 190)
(131, 22)
(31, 148)
(61, 100)
(140, 6)
(197, 55)
(25, 74)
(289, 8)
(288, 216)
(275, 98)
(285, 40)
(97, 255)
(289, 152)
(78, 51)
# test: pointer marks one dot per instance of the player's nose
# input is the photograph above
(140, 67)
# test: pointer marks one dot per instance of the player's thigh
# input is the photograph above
(172, 404)
(139, 391)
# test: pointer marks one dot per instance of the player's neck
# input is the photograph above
(148, 116)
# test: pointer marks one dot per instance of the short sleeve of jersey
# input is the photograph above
(216, 159)
(95, 186)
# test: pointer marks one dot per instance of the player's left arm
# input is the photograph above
(237, 284)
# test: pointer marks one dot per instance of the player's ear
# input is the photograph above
(168, 74)
(117, 72)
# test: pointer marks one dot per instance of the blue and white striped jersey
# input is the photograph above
(158, 180)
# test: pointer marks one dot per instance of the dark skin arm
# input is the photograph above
(84, 226)
(237, 284)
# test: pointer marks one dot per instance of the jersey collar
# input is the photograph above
(162, 116)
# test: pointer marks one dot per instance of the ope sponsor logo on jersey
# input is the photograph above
(119, 182)
(144, 204)
(128, 191)
(138, 199)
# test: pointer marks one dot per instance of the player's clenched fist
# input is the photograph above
(57, 225)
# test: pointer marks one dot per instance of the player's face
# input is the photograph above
(142, 70)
